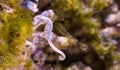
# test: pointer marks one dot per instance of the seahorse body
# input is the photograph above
(48, 33)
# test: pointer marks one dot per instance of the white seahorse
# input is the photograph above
(39, 20)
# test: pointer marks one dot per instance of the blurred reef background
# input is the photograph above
(87, 31)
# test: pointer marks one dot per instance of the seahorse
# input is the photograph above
(48, 33)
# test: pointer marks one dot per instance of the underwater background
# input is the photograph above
(86, 31)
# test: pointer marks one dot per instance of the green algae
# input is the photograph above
(15, 28)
